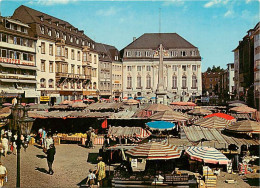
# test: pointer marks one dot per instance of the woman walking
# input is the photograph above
(101, 171)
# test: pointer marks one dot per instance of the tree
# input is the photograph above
(209, 69)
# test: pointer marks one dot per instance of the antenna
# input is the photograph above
(159, 20)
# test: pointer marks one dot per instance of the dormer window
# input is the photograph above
(77, 41)
(71, 39)
(183, 53)
(49, 32)
(138, 54)
(76, 30)
(128, 54)
(83, 43)
(41, 18)
(116, 57)
(64, 37)
(147, 54)
(57, 34)
(57, 23)
(93, 46)
(89, 44)
(42, 29)
(70, 29)
(50, 22)
(173, 53)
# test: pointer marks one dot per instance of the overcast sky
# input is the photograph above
(214, 26)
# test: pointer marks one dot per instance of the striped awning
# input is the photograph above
(245, 126)
(200, 111)
(206, 155)
(158, 108)
(128, 132)
(243, 109)
(213, 122)
(170, 115)
(155, 151)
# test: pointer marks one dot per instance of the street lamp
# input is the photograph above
(22, 124)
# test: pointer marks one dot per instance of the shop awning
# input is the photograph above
(9, 65)
(27, 67)
(28, 81)
(9, 80)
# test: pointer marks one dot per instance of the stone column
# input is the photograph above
(199, 81)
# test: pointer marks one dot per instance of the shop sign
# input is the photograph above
(45, 98)
(32, 94)
(134, 163)
(15, 61)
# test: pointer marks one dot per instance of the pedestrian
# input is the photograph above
(14, 140)
(50, 157)
(3, 174)
(48, 142)
(5, 145)
(91, 178)
(40, 136)
(101, 171)
(92, 139)
(88, 137)
(9, 136)
(44, 135)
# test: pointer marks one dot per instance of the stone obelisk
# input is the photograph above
(161, 93)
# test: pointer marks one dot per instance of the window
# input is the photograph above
(43, 66)
(41, 18)
(128, 54)
(42, 29)
(216, 79)
(30, 57)
(58, 51)
(174, 53)
(25, 56)
(66, 53)
(148, 81)
(72, 55)
(193, 53)
(72, 69)
(51, 66)
(4, 53)
(31, 43)
(174, 67)
(138, 54)
(83, 43)
(148, 68)
(184, 82)
(184, 67)
(11, 54)
(49, 32)
(129, 68)
(77, 41)
(210, 79)
(183, 53)
(51, 83)
(129, 82)
(78, 69)
(25, 42)
(4, 37)
(65, 37)
(95, 59)
(139, 68)
(43, 83)
(147, 54)
(84, 56)
(18, 41)
(71, 39)
(194, 81)
(57, 34)
(18, 55)
(139, 81)
(194, 67)
(51, 49)
(43, 47)
(174, 82)
(78, 57)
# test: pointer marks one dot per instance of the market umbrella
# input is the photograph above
(183, 103)
(6, 104)
(237, 104)
(221, 115)
(206, 155)
(158, 108)
(5, 112)
(161, 125)
(245, 126)
(200, 111)
(79, 105)
(243, 109)
(236, 101)
(67, 102)
(155, 151)
(39, 107)
(169, 115)
(213, 122)
(131, 101)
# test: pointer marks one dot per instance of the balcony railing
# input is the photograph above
(61, 74)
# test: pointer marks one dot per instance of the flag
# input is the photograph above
(104, 124)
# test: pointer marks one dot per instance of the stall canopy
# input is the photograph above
(213, 122)
(131, 102)
(5, 112)
(183, 103)
(170, 115)
(135, 134)
(160, 125)
(200, 111)
(245, 126)
(206, 155)
(155, 151)
(222, 115)
(243, 109)
(158, 108)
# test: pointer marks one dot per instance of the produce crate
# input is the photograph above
(211, 181)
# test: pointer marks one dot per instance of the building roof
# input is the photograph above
(153, 40)
(31, 16)
(107, 52)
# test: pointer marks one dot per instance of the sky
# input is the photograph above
(214, 26)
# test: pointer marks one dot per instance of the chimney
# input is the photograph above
(134, 38)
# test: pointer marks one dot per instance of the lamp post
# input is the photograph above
(21, 123)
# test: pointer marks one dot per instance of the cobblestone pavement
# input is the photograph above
(70, 167)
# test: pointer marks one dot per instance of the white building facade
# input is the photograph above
(181, 67)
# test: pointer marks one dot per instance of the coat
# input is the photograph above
(50, 154)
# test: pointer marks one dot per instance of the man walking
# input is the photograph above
(3, 174)
(50, 157)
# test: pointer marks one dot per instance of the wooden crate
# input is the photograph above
(211, 181)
